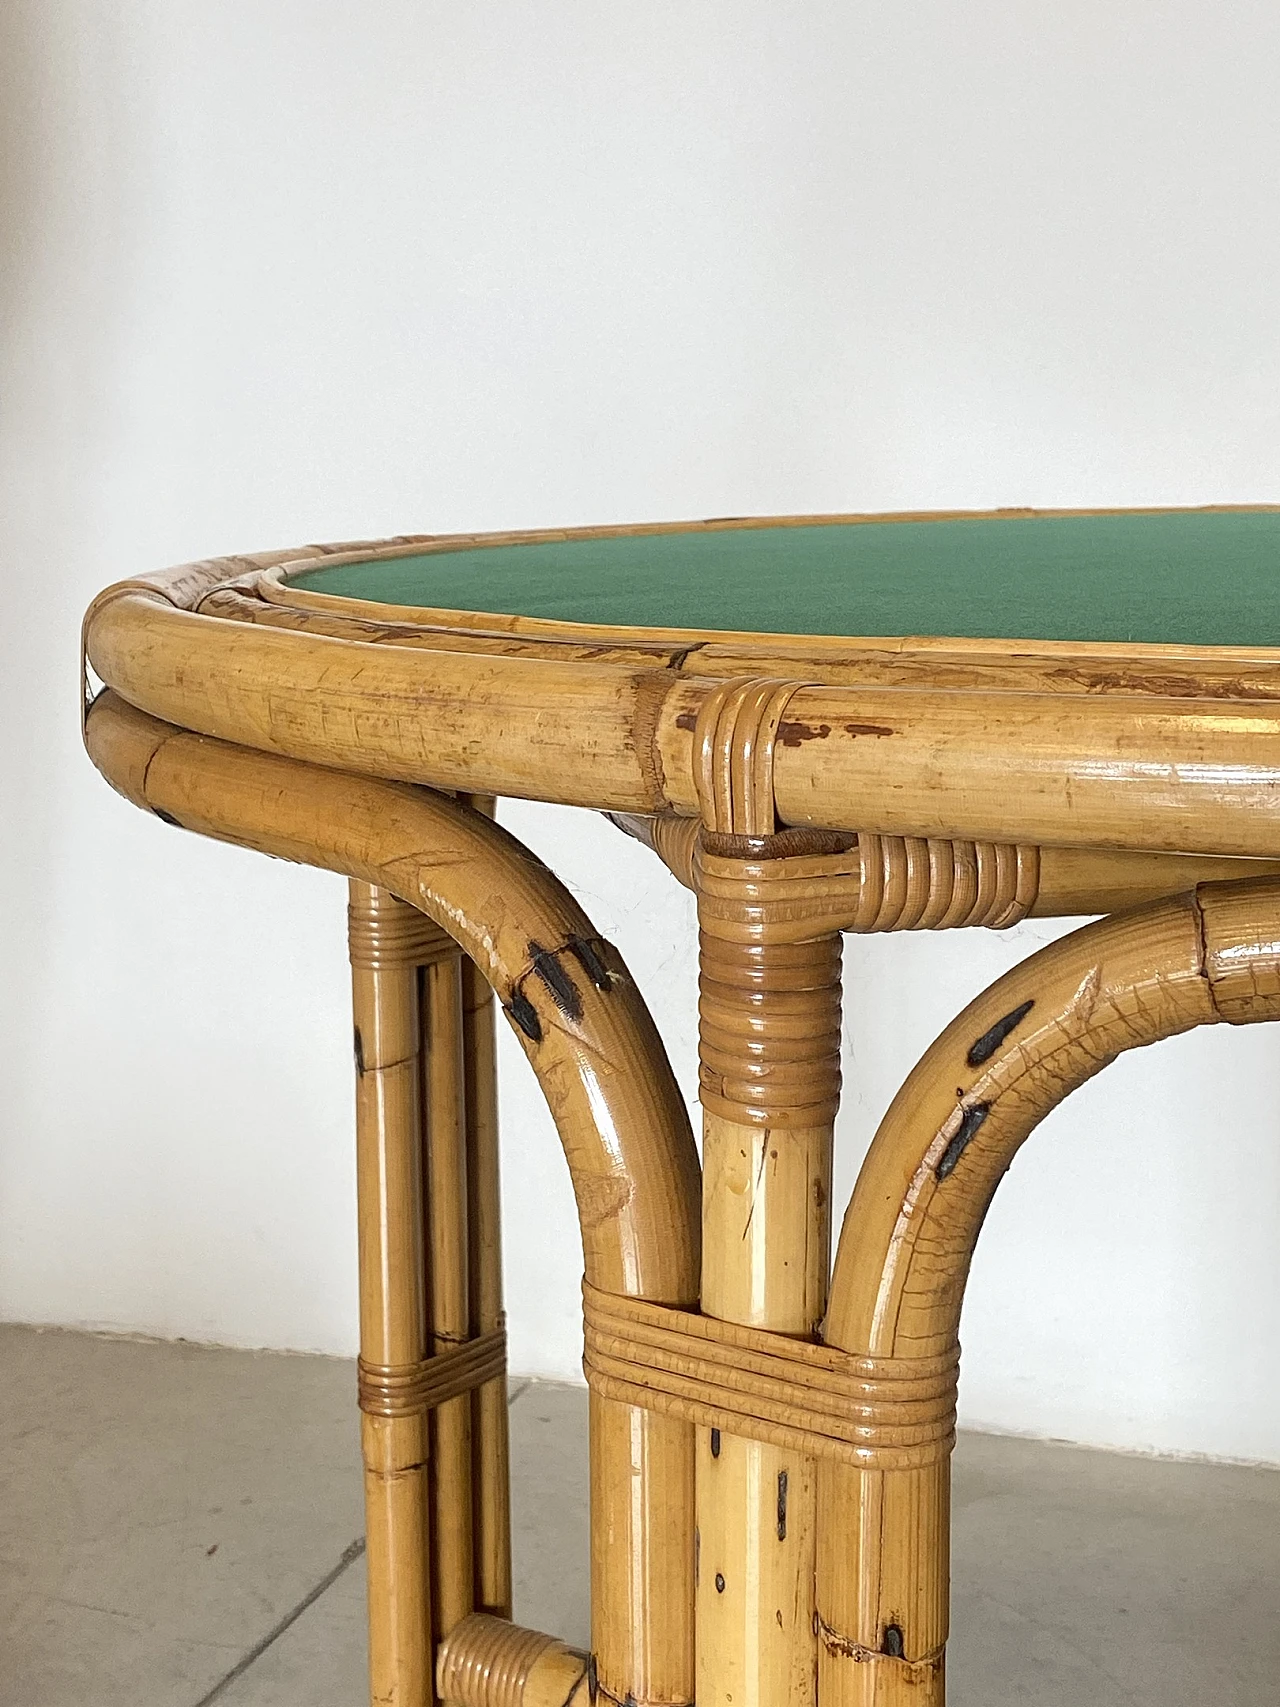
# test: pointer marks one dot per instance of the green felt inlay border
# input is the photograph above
(1195, 578)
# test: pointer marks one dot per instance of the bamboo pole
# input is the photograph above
(757, 1511)
(393, 1322)
(766, 1252)
(1164, 771)
(490, 1456)
(445, 1134)
(769, 1083)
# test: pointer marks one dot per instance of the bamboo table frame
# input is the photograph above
(770, 1435)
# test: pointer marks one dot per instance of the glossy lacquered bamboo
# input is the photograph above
(449, 1290)
(949, 782)
(490, 1458)
(1045, 882)
(393, 1308)
(765, 1249)
(487, 1662)
(1144, 748)
(919, 1204)
(601, 1066)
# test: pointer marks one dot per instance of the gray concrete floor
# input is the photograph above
(181, 1526)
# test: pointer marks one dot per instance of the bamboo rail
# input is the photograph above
(490, 1476)
(1148, 749)
(1035, 883)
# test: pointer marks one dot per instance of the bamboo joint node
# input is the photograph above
(874, 1413)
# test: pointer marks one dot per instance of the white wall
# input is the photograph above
(285, 271)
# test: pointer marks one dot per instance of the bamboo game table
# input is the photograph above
(820, 725)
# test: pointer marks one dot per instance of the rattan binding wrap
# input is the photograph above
(877, 1413)
(380, 938)
(402, 1390)
(488, 1662)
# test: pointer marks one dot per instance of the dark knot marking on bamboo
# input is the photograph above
(972, 1116)
(986, 1045)
(893, 1647)
(548, 966)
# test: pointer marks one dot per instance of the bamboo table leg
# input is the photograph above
(449, 1303)
(917, 1210)
(769, 1041)
(766, 1248)
(490, 1471)
(386, 945)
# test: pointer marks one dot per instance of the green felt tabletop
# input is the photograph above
(1180, 576)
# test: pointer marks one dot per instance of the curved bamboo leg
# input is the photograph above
(602, 1069)
(908, 1239)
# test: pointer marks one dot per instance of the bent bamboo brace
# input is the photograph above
(625, 1132)
(910, 1231)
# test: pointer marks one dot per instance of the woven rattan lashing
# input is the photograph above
(399, 1390)
(877, 1413)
